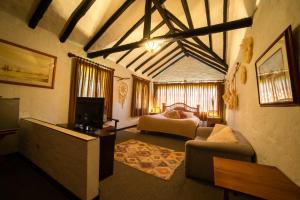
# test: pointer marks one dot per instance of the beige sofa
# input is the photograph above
(200, 153)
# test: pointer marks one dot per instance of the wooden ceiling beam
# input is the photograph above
(187, 13)
(38, 13)
(147, 21)
(125, 36)
(108, 23)
(152, 31)
(207, 11)
(207, 61)
(134, 27)
(201, 54)
(196, 39)
(78, 13)
(166, 19)
(227, 26)
(172, 63)
(124, 55)
(159, 60)
(195, 56)
(225, 16)
(153, 56)
(136, 59)
(167, 61)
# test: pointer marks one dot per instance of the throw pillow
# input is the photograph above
(165, 113)
(224, 136)
(217, 128)
(172, 114)
(182, 115)
(189, 114)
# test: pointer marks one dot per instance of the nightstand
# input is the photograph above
(212, 121)
(153, 113)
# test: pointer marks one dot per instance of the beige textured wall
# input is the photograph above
(189, 69)
(274, 132)
(52, 105)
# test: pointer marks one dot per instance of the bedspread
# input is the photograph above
(159, 123)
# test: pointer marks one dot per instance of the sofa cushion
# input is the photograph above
(200, 138)
(217, 128)
(225, 135)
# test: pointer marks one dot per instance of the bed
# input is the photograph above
(160, 123)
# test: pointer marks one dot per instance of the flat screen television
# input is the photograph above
(89, 113)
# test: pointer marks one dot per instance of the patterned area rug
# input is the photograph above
(155, 160)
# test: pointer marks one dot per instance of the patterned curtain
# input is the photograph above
(207, 95)
(90, 80)
(140, 96)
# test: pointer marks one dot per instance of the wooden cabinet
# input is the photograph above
(212, 121)
(69, 157)
(107, 137)
(9, 124)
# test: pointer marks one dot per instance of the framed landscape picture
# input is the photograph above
(24, 66)
(277, 73)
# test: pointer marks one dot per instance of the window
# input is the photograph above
(91, 80)
(140, 96)
(206, 95)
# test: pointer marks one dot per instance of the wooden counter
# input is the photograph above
(69, 157)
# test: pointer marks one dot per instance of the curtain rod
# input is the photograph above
(140, 78)
(71, 55)
(204, 81)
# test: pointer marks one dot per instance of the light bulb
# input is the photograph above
(152, 45)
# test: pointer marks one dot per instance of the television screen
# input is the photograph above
(89, 112)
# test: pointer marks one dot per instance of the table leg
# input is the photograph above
(226, 195)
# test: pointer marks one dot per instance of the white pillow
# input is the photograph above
(188, 114)
(217, 128)
(224, 136)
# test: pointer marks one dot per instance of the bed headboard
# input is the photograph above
(183, 107)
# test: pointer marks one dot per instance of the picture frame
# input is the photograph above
(277, 73)
(21, 65)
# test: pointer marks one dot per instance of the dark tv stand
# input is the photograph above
(107, 137)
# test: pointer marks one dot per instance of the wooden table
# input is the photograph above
(211, 121)
(262, 181)
(5, 132)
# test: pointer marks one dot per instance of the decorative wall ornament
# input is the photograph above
(123, 89)
(247, 49)
(243, 74)
(230, 96)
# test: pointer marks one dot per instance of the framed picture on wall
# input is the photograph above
(277, 73)
(24, 66)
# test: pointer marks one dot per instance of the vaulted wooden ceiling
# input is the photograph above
(191, 28)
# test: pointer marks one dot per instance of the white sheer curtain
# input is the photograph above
(207, 95)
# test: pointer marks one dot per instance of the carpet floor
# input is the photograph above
(21, 180)
(128, 183)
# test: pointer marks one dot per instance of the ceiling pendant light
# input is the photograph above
(152, 45)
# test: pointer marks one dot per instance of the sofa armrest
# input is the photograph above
(204, 132)
(199, 156)
(231, 148)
